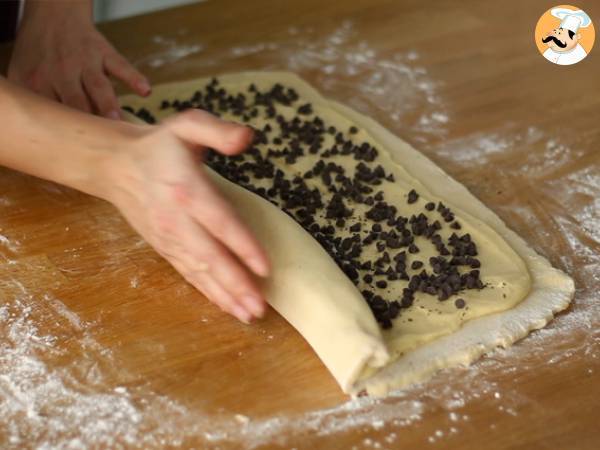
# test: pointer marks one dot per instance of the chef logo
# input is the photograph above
(564, 35)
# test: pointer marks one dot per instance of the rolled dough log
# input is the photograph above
(315, 296)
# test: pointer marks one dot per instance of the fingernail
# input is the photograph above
(255, 305)
(144, 87)
(259, 267)
(242, 314)
(116, 115)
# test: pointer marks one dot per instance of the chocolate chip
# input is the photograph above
(412, 196)
(394, 309)
(368, 295)
(386, 323)
(355, 228)
(459, 303)
(442, 295)
(473, 262)
(430, 206)
(381, 284)
(416, 265)
(393, 242)
(305, 109)
(145, 115)
(406, 302)
(381, 211)
(378, 304)
(400, 257)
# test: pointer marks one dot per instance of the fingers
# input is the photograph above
(201, 128)
(39, 84)
(199, 257)
(119, 67)
(101, 93)
(47, 91)
(222, 298)
(214, 293)
(206, 256)
(216, 215)
(71, 93)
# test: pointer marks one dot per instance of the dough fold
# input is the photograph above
(306, 288)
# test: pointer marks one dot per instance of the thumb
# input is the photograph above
(201, 128)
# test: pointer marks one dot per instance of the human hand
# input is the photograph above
(58, 53)
(160, 187)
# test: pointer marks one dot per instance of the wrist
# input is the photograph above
(102, 169)
(55, 13)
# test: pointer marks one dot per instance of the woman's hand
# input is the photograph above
(59, 53)
(160, 187)
(154, 175)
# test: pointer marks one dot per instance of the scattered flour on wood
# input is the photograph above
(169, 50)
(11, 245)
(134, 282)
(48, 405)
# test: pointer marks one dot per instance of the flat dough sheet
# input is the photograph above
(522, 292)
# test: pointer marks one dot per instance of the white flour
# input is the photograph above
(61, 388)
(169, 51)
(13, 246)
(73, 407)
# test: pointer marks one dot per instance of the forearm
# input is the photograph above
(54, 142)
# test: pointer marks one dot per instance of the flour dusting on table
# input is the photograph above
(168, 51)
(75, 406)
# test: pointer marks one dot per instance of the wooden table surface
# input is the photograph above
(462, 82)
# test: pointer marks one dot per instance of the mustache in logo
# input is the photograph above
(556, 41)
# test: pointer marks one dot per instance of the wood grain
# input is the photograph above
(491, 80)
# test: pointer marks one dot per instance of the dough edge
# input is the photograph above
(551, 290)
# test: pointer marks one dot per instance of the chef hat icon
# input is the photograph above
(571, 19)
